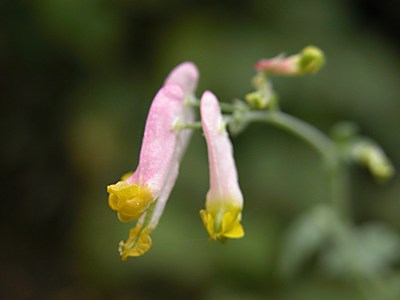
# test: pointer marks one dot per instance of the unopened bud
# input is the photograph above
(264, 96)
(260, 99)
(308, 61)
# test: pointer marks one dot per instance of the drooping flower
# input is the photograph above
(143, 194)
(224, 201)
(132, 196)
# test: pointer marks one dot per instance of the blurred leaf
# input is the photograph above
(366, 251)
(308, 234)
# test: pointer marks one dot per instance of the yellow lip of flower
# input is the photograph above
(129, 200)
(222, 224)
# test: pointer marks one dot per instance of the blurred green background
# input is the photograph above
(76, 80)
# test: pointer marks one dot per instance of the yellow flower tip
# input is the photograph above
(138, 243)
(129, 200)
(223, 224)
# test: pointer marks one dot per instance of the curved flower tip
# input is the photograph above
(224, 202)
(138, 243)
(131, 196)
(186, 75)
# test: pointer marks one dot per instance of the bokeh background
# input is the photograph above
(76, 80)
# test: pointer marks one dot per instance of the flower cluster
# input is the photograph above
(143, 194)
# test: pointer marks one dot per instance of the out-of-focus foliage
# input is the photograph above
(76, 81)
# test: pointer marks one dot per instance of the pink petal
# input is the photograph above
(185, 75)
(223, 175)
(160, 140)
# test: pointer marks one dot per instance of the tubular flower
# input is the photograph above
(131, 197)
(186, 76)
(143, 194)
(224, 201)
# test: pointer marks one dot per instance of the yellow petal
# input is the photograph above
(228, 227)
(231, 228)
(129, 200)
(113, 202)
(138, 243)
(123, 189)
(208, 222)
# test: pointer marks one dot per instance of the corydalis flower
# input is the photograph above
(224, 202)
(186, 76)
(143, 194)
(132, 196)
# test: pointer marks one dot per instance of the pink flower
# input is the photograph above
(132, 196)
(160, 156)
(186, 76)
(224, 202)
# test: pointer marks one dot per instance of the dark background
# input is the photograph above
(76, 80)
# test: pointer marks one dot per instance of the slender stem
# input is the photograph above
(299, 128)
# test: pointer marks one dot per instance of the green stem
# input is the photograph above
(299, 128)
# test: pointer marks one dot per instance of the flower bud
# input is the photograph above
(308, 61)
